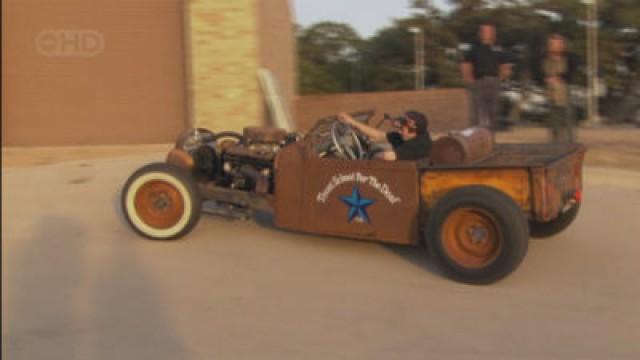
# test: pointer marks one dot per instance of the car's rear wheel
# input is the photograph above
(161, 202)
(477, 234)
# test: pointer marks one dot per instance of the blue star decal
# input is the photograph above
(357, 205)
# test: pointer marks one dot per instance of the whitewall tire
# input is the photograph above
(161, 202)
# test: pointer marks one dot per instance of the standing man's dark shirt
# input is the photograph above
(486, 61)
(417, 148)
(483, 68)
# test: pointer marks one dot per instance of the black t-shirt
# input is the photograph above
(486, 60)
(417, 148)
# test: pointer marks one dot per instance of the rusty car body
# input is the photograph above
(473, 204)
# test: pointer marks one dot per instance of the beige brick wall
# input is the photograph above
(227, 42)
(223, 48)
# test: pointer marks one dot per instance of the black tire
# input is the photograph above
(542, 230)
(161, 202)
(504, 238)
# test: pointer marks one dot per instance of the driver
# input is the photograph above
(411, 140)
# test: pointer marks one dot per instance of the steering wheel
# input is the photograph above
(346, 141)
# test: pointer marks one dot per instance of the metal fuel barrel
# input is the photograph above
(463, 147)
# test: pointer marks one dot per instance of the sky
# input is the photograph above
(366, 16)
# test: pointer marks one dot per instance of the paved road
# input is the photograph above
(78, 284)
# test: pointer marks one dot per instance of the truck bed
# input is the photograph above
(543, 179)
(519, 156)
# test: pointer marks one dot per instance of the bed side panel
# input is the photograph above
(556, 184)
(435, 184)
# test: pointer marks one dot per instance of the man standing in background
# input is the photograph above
(558, 68)
(483, 68)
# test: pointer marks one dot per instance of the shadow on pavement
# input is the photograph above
(41, 280)
(416, 255)
(74, 294)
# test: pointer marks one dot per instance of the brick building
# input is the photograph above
(138, 71)
(231, 40)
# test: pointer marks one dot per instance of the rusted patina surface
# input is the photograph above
(371, 200)
(557, 184)
(181, 159)
(258, 155)
(463, 147)
(241, 199)
(516, 156)
(264, 134)
(388, 201)
(541, 178)
(289, 181)
(435, 184)
(159, 204)
(527, 155)
(471, 238)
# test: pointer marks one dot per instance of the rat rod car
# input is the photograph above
(473, 204)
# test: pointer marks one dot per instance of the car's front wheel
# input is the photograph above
(161, 202)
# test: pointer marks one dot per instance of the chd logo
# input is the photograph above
(70, 43)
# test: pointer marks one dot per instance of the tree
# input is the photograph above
(314, 79)
(327, 53)
(391, 57)
(430, 10)
(333, 58)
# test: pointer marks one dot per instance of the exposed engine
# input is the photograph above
(240, 162)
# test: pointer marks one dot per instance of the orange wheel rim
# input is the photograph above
(471, 238)
(159, 204)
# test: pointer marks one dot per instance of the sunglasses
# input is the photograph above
(404, 121)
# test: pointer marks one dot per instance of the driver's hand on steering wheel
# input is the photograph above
(345, 118)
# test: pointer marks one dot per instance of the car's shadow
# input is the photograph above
(416, 255)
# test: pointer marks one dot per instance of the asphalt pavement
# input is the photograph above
(77, 283)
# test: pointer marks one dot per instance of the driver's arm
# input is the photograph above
(387, 156)
(374, 134)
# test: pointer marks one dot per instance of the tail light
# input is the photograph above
(577, 196)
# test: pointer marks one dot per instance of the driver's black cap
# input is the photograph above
(420, 119)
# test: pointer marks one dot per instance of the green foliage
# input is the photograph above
(392, 59)
(327, 51)
(333, 58)
(314, 79)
